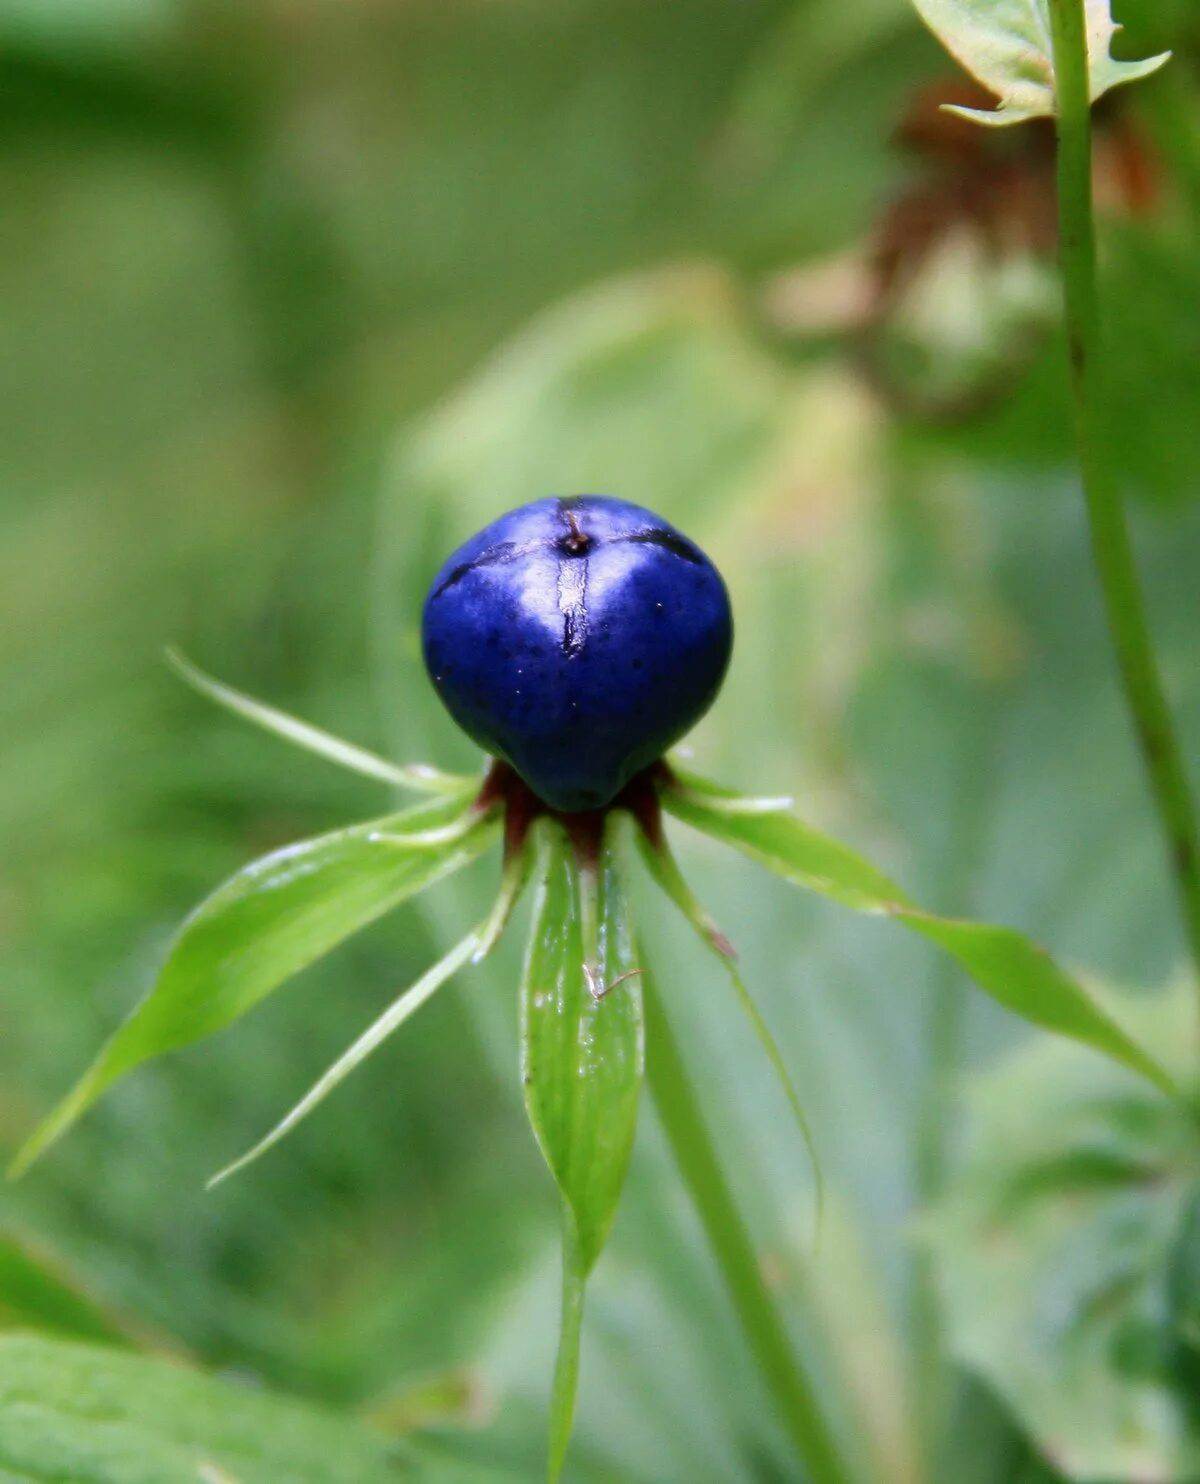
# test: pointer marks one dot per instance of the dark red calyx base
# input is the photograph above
(503, 787)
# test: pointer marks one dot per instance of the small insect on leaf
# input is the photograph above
(1017, 973)
(582, 1064)
(269, 921)
(1006, 45)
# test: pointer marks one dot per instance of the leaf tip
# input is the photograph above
(1152, 64)
(221, 1176)
(1001, 117)
(61, 1118)
(259, 1149)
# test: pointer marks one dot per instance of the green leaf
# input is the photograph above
(582, 1060)
(665, 870)
(475, 946)
(582, 1057)
(1064, 1250)
(268, 922)
(768, 830)
(1017, 973)
(100, 1416)
(392, 1019)
(418, 776)
(1006, 45)
(36, 1293)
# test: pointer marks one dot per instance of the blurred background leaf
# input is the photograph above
(71, 1411)
(36, 1293)
(1065, 1251)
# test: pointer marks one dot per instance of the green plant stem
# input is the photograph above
(566, 1365)
(1111, 547)
(691, 1143)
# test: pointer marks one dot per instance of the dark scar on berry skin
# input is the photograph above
(495, 556)
(670, 541)
(575, 543)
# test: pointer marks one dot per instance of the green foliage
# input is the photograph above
(581, 1046)
(891, 599)
(1006, 45)
(1021, 976)
(1065, 1251)
(582, 1061)
(265, 924)
(474, 947)
(665, 870)
(391, 1020)
(421, 777)
(101, 1417)
(912, 601)
(37, 1294)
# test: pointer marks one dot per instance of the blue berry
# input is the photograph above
(577, 639)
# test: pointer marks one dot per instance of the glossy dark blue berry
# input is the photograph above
(578, 639)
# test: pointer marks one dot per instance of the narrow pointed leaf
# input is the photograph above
(582, 1064)
(1006, 45)
(417, 776)
(1014, 971)
(265, 924)
(665, 870)
(474, 947)
(392, 1019)
(775, 835)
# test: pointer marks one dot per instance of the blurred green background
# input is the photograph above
(298, 293)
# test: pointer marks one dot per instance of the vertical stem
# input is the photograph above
(566, 1365)
(691, 1143)
(1111, 548)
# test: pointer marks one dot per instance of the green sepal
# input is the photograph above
(665, 869)
(265, 924)
(470, 950)
(582, 1062)
(419, 777)
(1016, 972)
